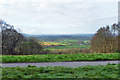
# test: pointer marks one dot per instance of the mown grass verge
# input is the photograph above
(59, 57)
(99, 71)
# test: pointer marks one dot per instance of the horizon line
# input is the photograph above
(60, 34)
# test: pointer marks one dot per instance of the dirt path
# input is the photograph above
(67, 64)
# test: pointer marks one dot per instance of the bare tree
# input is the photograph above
(103, 41)
(10, 38)
(118, 38)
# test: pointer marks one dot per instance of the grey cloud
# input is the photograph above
(59, 16)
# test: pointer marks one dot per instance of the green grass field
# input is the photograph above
(66, 47)
(59, 57)
(99, 71)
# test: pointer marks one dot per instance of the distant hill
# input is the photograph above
(61, 37)
(66, 36)
(26, 35)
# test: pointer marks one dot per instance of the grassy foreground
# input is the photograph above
(59, 57)
(99, 71)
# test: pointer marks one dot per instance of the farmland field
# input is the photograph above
(66, 47)
(66, 44)
(99, 71)
(60, 57)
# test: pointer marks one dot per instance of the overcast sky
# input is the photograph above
(59, 16)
